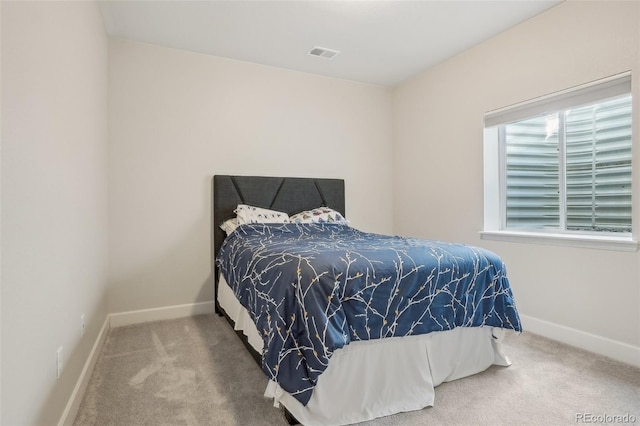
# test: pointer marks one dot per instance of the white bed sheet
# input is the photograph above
(375, 378)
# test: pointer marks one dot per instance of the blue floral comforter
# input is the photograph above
(313, 288)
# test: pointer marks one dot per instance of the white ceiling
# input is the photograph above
(381, 42)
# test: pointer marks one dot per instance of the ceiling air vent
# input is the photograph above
(323, 52)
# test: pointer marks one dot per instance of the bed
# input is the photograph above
(346, 325)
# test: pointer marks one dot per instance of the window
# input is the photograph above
(562, 164)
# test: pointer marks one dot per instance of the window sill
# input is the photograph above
(582, 241)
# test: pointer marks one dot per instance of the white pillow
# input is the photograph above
(251, 214)
(230, 225)
(319, 215)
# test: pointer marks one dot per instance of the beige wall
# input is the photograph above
(54, 195)
(176, 118)
(586, 294)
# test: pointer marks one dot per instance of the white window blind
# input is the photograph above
(611, 87)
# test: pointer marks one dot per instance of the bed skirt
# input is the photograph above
(376, 378)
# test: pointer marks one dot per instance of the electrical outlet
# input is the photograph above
(59, 362)
(82, 325)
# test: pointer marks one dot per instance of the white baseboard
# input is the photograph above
(70, 411)
(156, 314)
(619, 351)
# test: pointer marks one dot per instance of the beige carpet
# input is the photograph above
(195, 371)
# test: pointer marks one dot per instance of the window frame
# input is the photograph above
(495, 182)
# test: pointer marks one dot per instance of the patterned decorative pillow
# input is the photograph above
(251, 214)
(319, 215)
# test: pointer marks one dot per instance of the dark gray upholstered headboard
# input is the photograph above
(287, 194)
